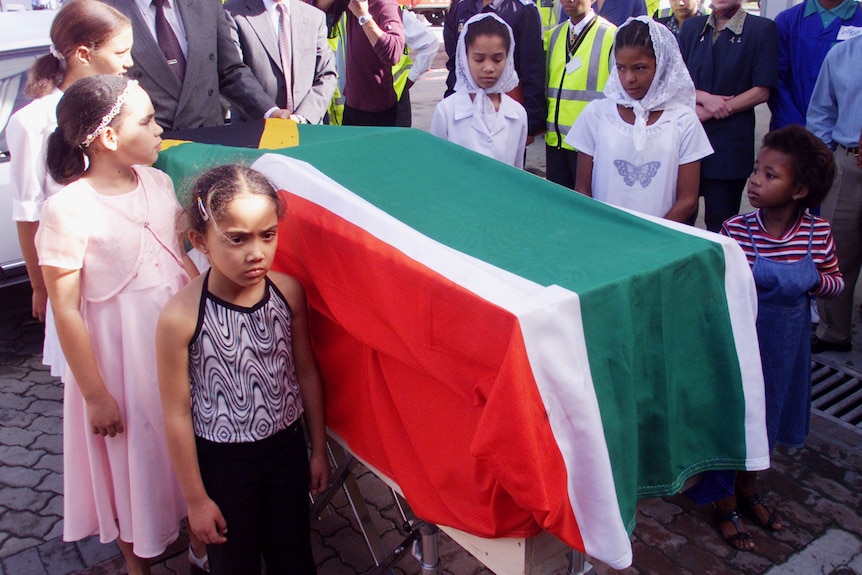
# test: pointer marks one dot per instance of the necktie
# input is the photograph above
(168, 41)
(284, 49)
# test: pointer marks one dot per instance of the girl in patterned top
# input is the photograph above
(237, 372)
(792, 257)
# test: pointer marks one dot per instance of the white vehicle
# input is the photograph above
(25, 37)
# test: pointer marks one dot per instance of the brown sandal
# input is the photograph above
(735, 540)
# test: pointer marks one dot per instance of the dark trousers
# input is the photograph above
(404, 117)
(354, 117)
(721, 200)
(261, 489)
(561, 166)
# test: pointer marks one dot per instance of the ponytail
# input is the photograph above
(45, 74)
(66, 163)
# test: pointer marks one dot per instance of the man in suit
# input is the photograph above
(186, 86)
(312, 63)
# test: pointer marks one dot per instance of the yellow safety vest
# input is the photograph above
(569, 93)
(337, 38)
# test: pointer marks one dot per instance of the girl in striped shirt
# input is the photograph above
(792, 257)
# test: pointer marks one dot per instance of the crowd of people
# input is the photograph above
(644, 113)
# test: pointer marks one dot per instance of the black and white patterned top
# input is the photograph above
(243, 379)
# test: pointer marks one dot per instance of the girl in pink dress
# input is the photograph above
(110, 255)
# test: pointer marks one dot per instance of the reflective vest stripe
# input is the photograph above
(585, 95)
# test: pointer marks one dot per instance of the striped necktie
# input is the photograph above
(168, 41)
(284, 49)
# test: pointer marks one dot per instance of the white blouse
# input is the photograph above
(27, 136)
(455, 120)
(643, 181)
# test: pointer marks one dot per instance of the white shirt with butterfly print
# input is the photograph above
(644, 181)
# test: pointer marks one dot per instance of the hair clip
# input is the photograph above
(57, 54)
(109, 117)
(203, 210)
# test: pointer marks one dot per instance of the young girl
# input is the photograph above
(111, 258)
(792, 257)
(640, 147)
(89, 38)
(237, 372)
(479, 115)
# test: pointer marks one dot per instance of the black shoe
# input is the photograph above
(820, 345)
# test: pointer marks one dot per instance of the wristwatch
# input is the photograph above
(363, 20)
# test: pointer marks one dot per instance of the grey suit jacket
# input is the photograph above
(213, 68)
(314, 75)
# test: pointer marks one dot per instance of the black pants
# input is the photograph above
(354, 117)
(262, 491)
(561, 166)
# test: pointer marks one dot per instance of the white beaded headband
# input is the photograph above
(109, 117)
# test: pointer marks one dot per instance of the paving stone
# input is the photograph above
(844, 517)
(654, 534)
(12, 376)
(43, 376)
(49, 443)
(11, 418)
(26, 524)
(661, 510)
(60, 558)
(56, 531)
(14, 545)
(15, 401)
(20, 437)
(92, 551)
(652, 561)
(855, 564)
(17, 455)
(25, 563)
(53, 482)
(47, 424)
(51, 390)
(48, 408)
(16, 476)
(22, 498)
(112, 566)
(50, 461)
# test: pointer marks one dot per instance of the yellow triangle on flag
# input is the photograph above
(166, 144)
(279, 133)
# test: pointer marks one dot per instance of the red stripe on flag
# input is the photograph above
(427, 382)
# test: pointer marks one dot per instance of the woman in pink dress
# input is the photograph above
(110, 255)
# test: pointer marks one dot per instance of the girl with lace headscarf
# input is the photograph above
(640, 147)
(479, 115)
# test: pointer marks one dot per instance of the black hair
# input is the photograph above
(79, 113)
(634, 34)
(215, 189)
(812, 161)
(88, 23)
(488, 26)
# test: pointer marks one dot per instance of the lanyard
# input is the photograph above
(573, 43)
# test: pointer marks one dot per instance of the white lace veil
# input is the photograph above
(464, 80)
(671, 87)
